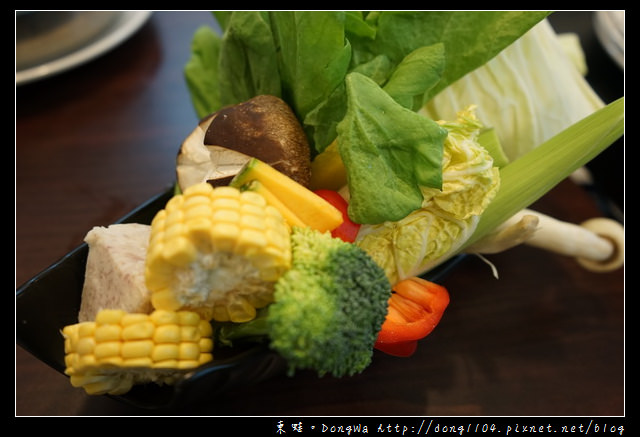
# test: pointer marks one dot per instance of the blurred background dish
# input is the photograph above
(609, 27)
(50, 42)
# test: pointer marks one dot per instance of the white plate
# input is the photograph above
(69, 41)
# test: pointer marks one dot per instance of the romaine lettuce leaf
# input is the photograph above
(248, 63)
(201, 71)
(313, 56)
(389, 151)
(470, 38)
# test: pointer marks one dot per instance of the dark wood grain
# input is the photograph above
(546, 338)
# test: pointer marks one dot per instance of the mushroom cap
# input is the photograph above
(263, 127)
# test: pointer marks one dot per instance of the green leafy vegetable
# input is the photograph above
(306, 58)
(356, 25)
(201, 72)
(222, 17)
(322, 121)
(248, 63)
(313, 56)
(389, 151)
(447, 217)
(471, 38)
(417, 73)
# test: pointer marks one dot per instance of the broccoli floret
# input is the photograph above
(327, 310)
(329, 307)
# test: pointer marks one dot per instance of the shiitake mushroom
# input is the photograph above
(263, 127)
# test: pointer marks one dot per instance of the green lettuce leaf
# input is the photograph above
(470, 38)
(389, 151)
(248, 64)
(322, 121)
(417, 73)
(201, 71)
(313, 56)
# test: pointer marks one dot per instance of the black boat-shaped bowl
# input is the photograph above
(51, 300)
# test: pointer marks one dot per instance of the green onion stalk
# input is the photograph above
(531, 176)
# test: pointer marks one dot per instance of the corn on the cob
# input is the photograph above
(120, 349)
(217, 252)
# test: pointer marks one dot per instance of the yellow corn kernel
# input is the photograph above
(166, 364)
(86, 329)
(189, 351)
(175, 216)
(204, 358)
(159, 219)
(109, 316)
(251, 242)
(189, 333)
(205, 344)
(226, 204)
(188, 364)
(253, 209)
(85, 346)
(197, 211)
(190, 318)
(179, 251)
(107, 333)
(254, 221)
(145, 362)
(224, 192)
(172, 233)
(137, 349)
(163, 352)
(85, 361)
(115, 361)
(204, 327)
(174, 204)
(203, 190)
(68, 360)
(224, 236)
(138, 331)
(107, 349)
(164, 298)
(133, 318)
(160, 317)
(220, 313)
(167, 334)
(196, 199)
(241, 310)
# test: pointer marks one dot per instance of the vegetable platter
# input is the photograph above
(364, 177)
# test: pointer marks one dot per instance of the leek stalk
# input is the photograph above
(528, 178)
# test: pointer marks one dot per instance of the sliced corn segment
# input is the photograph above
(217, 252)
(120, 349)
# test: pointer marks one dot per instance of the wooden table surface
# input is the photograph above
(546, 338)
